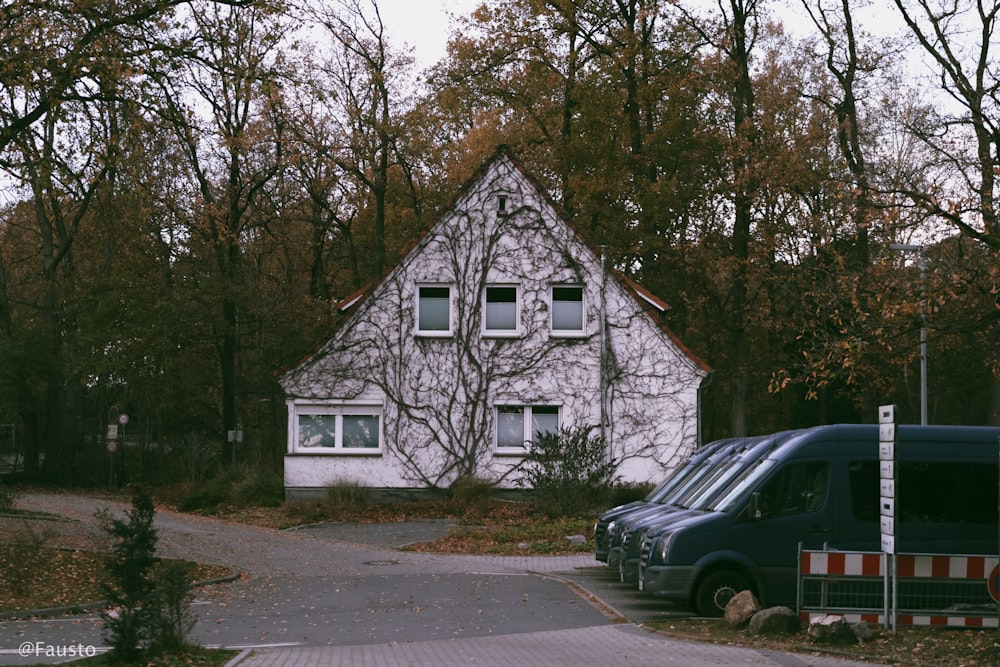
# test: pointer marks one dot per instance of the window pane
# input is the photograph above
(567, 308)
(361, 431)
(799, 488)
(863, 482)
(501, 308)
(544, 419)
(317, 431)
(434, 309)
(510, 427)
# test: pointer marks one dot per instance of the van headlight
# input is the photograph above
(663, 546)
(611, 528)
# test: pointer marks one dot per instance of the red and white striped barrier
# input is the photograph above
(848, 564)
(867, 564)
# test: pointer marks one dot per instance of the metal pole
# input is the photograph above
(922, 263)
(923, 336)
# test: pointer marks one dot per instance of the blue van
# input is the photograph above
(692, 498)
(820, 487)
(659, 495)
(706, 466)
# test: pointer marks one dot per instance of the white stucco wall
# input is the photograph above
(438, 394)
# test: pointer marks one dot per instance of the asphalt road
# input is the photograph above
(341, 595)
(336, 584)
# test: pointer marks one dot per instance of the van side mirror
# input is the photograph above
(753, 505)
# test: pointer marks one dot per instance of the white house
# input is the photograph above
(488, 331)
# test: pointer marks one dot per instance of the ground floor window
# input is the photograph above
(338, 429)
(518, 425)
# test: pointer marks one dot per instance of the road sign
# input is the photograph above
(112, 446)
(887, 414)
(887, 475)
(123, 419)
(994, 583)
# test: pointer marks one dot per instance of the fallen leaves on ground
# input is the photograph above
(908, 647)
(48, 563)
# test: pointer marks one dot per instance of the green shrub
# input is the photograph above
(207, 496)
(258, 490)
(172, 617)
(623, 493)
(346, 495)
(471, 497)
(568, 472)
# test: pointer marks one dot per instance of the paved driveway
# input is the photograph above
(337, 594)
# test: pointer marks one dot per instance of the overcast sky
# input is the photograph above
(423, 24)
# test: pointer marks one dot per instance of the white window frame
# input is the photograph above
(432, 333)
(499, 333)
(583, 311)
(338, 412)
(527, 424)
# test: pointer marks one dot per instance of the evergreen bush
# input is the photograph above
(129, 621)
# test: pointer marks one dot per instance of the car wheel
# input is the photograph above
(716, 590)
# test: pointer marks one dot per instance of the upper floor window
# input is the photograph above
(500, 311)
(434, 310)
(567, 309)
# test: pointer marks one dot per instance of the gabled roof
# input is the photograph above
(650, 304)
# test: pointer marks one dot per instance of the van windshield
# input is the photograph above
(700, 496)
(747, 480)
(668, 487)
(702, 477)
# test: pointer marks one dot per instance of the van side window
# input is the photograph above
(799, 488)
(929, 492)
(959, 492)
(862, 480)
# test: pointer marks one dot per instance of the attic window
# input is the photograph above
(502, 204)
(567, 309)
(434, 310)
(500, 310)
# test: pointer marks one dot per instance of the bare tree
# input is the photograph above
(233, 154)
(959, 37)
(364, 78)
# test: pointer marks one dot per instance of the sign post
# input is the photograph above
(887, 442)
(112, 442)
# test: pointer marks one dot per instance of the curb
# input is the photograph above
(50, 612)
(244, 654)
(587, 595)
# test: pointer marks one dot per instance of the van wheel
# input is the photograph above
(716, 590)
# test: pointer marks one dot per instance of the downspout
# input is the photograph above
(605, 434)
(705, 384)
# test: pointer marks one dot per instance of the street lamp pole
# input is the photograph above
(922, 263)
